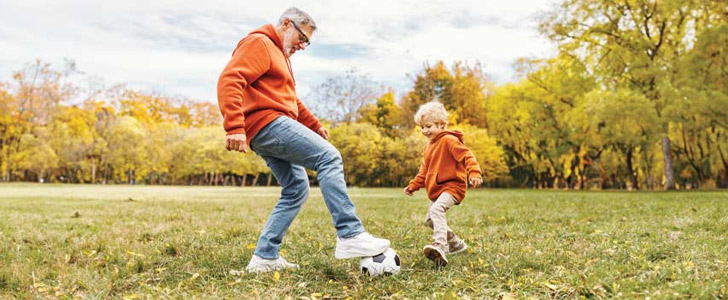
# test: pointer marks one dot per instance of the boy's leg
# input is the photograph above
(451, 236)
(436, 214)
(438, 219)
(455, 244)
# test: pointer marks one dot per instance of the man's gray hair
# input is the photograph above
(298, 16)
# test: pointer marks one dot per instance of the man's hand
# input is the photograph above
(323, 133)
(476, 181)
(407, 191)
(237, 142)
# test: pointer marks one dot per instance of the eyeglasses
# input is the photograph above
(303, 38)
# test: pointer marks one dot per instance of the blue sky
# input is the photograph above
(178, 48)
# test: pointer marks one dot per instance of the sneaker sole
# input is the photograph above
(348, 253)
(266, 270)
(435, 256)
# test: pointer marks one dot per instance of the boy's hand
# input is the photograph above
(476, 181)
(407, 191)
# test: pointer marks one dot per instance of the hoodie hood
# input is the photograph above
(270, 31)
(455, 133)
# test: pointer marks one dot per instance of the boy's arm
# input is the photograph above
(462, 154)
(419, 181)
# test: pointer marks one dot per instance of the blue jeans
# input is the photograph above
(287, 147)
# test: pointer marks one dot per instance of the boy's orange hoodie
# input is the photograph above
(257, 86)
(446, 167)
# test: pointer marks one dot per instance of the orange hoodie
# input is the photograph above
(257, 86)
(446, 167)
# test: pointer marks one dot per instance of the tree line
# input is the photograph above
(635, 98)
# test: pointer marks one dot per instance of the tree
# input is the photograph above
(40, 89)
(384, 114)
(627, 44)
(359, 144)
(340, 98)
(127, 152)
(73, 139)
(36, 90)
(10, 125)
(36, 154)
(700, 110)
(462, 92)
(489, 155)
(625, 122)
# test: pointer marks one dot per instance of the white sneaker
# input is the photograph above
(361, 245)
(262, 265)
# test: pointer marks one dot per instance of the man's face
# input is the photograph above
(296, 37)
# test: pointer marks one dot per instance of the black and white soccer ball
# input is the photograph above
(386, 263)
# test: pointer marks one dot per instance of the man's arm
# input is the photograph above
(306, 118)
(250, 60)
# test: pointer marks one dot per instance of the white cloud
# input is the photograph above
(179, 47)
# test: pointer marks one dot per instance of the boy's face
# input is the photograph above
(431, 129)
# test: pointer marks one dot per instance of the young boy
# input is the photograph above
(445, 170)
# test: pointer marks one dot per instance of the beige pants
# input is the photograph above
(435, 219)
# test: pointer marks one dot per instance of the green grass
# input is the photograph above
(82, 241)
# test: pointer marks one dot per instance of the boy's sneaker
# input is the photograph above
(456, 247)
(361, 245)
(435, 253)
(262, 265)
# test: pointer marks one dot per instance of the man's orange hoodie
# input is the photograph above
(446, 167)
(257, 86)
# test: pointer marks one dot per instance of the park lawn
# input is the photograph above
(151, 242)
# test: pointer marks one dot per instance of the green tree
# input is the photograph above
(700, 110)
(625, 122)
(632, 44)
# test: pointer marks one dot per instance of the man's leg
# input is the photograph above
(294, 192)
(299, 145)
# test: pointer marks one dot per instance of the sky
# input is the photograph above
(178, 48)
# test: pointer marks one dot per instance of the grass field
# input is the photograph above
(151, 242)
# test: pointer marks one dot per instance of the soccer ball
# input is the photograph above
(386, 263)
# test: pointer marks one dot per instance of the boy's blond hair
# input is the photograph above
(431, 111)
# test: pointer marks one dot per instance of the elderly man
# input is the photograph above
(257, 96)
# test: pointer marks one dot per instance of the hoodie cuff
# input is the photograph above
(316, 127)
(236, 131)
